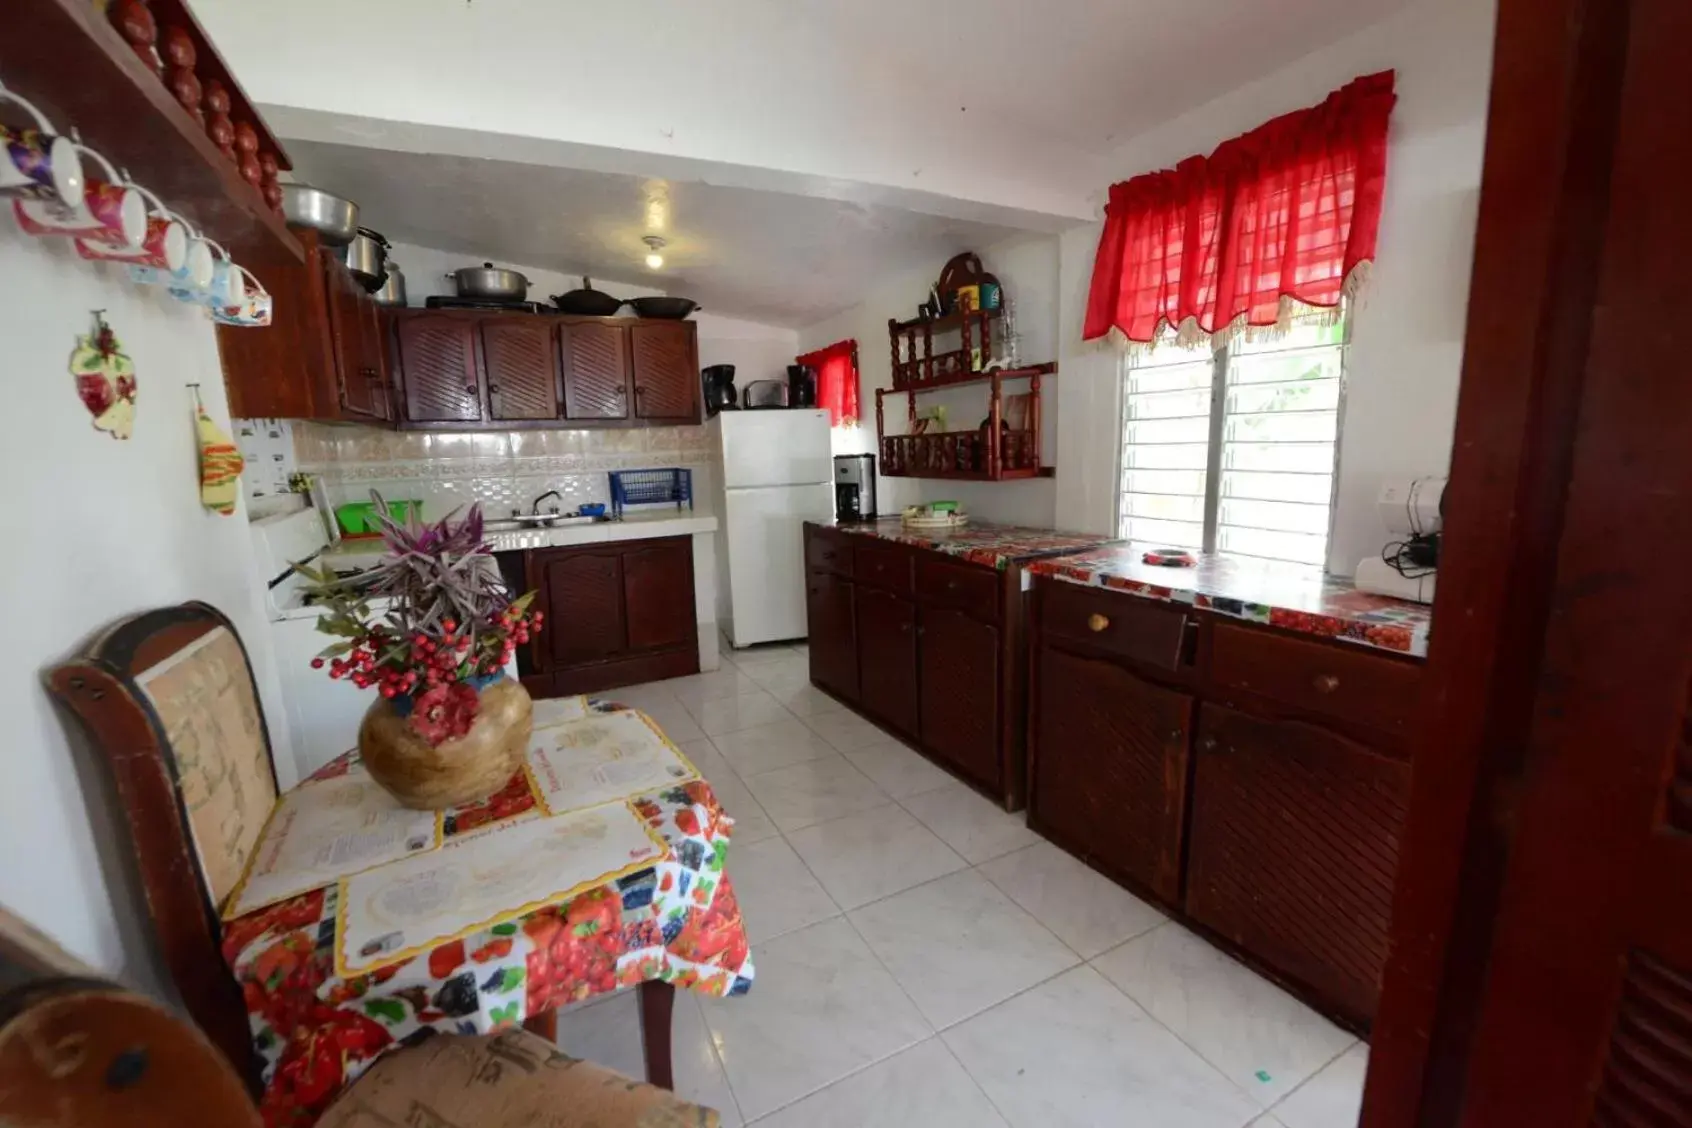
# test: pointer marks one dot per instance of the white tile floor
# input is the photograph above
(924, 959)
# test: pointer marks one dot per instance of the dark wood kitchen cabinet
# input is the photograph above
(520, 367)
(1111, 774)
(616, 614)
(887, 658)
(440, 377)
(1294, 847)
(830, 602)
(596, 370)
(664, 370)
(960, 711)
(1250, 781)
(322, 357)
(926, 645)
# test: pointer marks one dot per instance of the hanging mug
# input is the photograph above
(34, 162)
(228, 286)
(111, 211)
(254, 310)
(163, 243)
(192, 276)
(196, 282)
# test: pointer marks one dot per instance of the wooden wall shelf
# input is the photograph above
(67, 60)
(968, 378)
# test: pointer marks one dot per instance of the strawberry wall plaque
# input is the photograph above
(105, 379)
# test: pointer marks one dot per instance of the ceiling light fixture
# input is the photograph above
(654, 245)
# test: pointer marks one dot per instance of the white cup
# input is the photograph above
(36, 163)
(111, 211)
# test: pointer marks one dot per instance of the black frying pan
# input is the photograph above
(587, 301)
(673, 309)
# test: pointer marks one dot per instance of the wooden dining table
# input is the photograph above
(676, 922)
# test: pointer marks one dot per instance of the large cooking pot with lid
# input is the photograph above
(490, 281)
(587, 301)
(367, 258)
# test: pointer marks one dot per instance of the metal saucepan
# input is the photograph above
(671, 309)
(392, 292)
(333, 217)
(490, 281)
(587, 301)
(367, 257)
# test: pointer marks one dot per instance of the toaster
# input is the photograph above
(765, 393)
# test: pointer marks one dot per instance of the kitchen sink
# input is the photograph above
(547, 521)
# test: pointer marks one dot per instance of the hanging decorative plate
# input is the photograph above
(105, 379)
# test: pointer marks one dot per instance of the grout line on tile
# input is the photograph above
(1317, 1072)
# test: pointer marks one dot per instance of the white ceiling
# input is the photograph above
(807, 142)
(774, 257)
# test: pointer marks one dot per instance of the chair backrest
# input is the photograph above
(79, 1052)
(170, 700)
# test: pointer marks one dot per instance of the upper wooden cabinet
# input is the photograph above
(665, 370)
(466, 368)
(322, 357)
(438, 370)
(520, 358)
(596, 369)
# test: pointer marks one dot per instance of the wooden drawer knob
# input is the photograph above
(1325, 683)
(1097, 622)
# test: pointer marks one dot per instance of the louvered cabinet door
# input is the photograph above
(437, 357)
(520, 357)
(359, 381)
(1294, 848)
(583, 592)
(666, 370)
(1110, 768)
(596, 370)
(887, 658)
(833, 633)
(658, 586)
(959, 707)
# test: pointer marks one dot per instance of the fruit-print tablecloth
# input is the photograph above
(316, 1032)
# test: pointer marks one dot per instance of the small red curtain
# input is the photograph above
(1287, 211)
(837, 380)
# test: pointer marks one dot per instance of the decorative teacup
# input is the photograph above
(254, 310)
(34, 162)
(111, 212)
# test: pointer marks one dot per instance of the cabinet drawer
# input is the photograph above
(974, 591)
(888, 568)
(1327, 678)
(1135, 628)
(828, 553)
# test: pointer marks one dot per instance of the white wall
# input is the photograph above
(97, 530)
(1406, 353)
(1027, 268)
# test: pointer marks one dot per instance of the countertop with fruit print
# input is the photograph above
(996, 546)
(1294, 597)
(317, 1032)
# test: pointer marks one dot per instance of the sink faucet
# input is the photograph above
(534, 507)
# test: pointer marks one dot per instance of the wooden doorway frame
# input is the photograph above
(1558, 75)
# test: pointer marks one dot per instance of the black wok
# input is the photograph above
(587, 301)
(673, 309)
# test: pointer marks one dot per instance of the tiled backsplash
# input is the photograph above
(502, 469)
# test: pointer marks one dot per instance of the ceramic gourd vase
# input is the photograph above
(457, 771)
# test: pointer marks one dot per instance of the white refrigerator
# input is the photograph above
(778, 473)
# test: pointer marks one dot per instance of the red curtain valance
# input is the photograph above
(1284, 214)
(837, 380)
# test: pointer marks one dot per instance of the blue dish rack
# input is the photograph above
(651, 487)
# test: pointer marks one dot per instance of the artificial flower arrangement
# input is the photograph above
(448, 633)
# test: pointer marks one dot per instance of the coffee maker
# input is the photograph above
(801, 385)
(854, 487)
(718, 380)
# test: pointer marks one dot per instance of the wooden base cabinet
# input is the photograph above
(616, 614)
(1251, 781)
(1294, 847)
(1110, 780)
(926, 646)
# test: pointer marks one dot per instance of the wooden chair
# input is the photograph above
(80, 1052)
(170, 701)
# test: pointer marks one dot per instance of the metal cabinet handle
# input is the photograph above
(904, 628)
(1097, 622)
(1176, 734)
(1325, 683)
(1208, 744)
(470, 390)
(493, 389)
